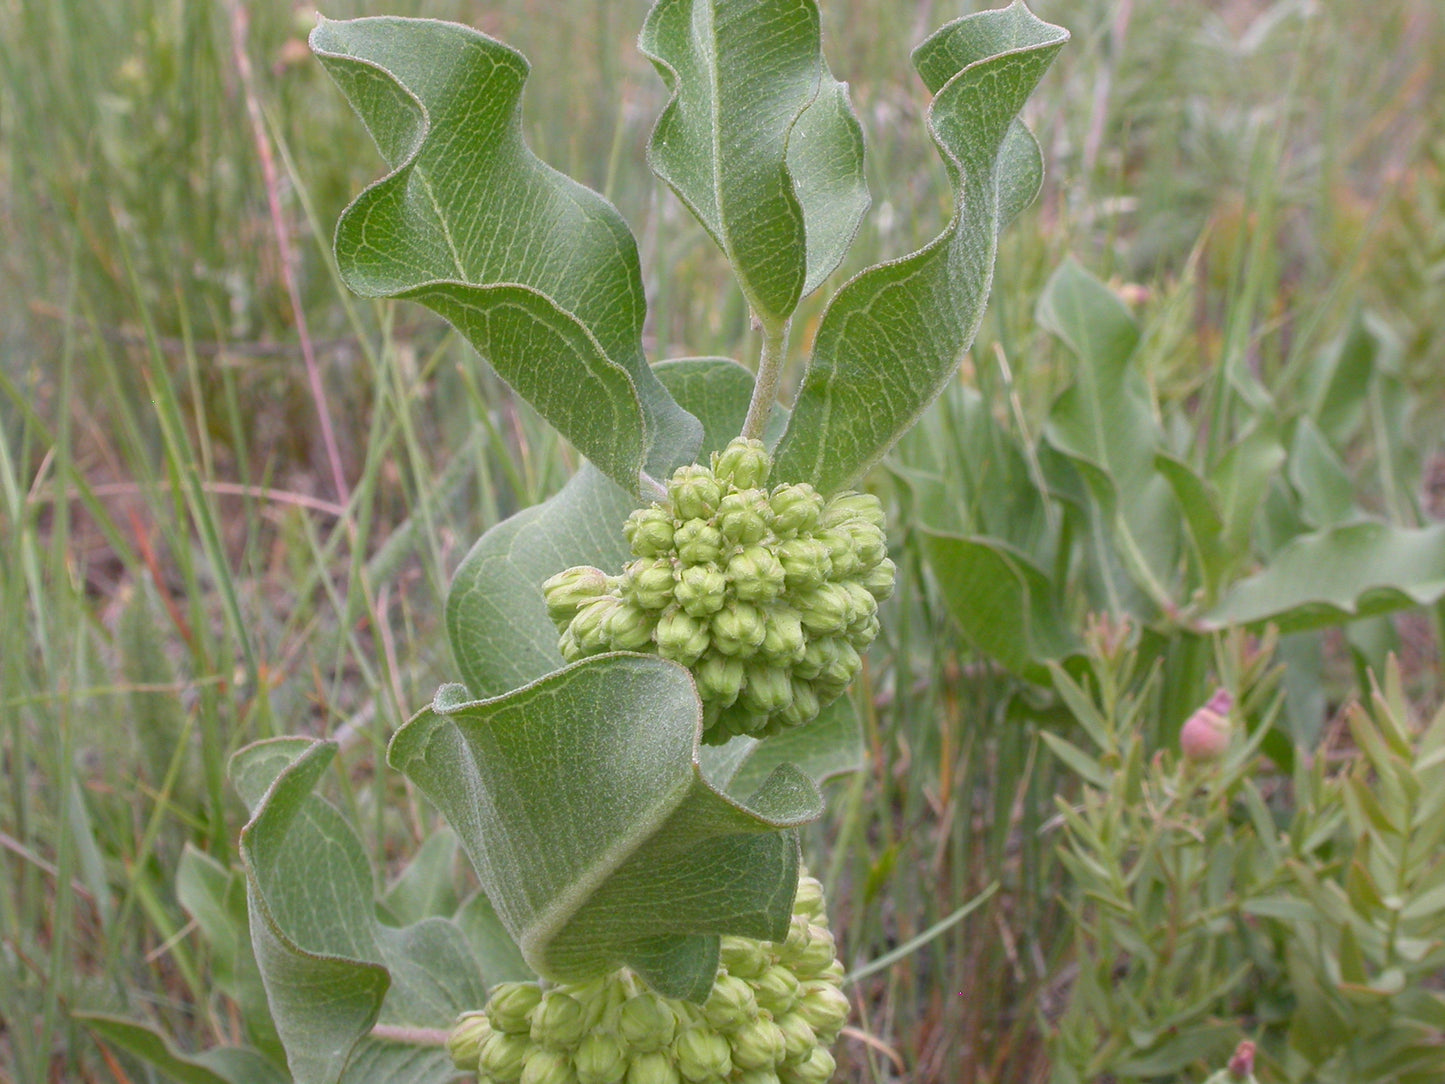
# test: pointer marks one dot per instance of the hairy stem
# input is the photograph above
(770, 371)
(389, 1033)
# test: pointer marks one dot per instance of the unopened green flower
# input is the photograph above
(799, 1040)
(653, 1068)
(601, 1058)
(817, 1068)
(758, 1044)
(547, 1066)
(464, 1043)
(727, 573)
(702, 1054)
(731, 1003)
(649, 531)
(743, 956)
(823, 1006)
(502, 1056)
(744, 463)
(694, 492)
(777, 990)
(647, 1023)
(558, 1020)
(510, 1007)
(570, 588)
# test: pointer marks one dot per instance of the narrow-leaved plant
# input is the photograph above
(652, 663)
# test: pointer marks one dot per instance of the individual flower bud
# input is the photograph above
(511, 1004)
(1204, 738)
(646, 1023)
(840, 551)
(816, 954)
(731, 1003)
(559, 1020)
(846, 506)
(776, 990)
(570, 588)
(768, 689)
(824, 610)
(796, 508)
(863, 633)
(744, 462)
(547, 1066)
(702, 1054)
(817, 1068)
(758, 1044)
(806, 563)
(818, 656)
(600, 1059)
(783, 640)
(756, 1076)
(698, 542)
(843, 667)
(861, 603)
(589, 629)
(649, 584)
(649, 531)
(869, 544)
(653, 1068)
(742, 517)
(694, 492)
(595, 996)
(756, 575)
(809, 899)
(824, 1007)
(804, 706)
(743, 956)
(629, 628)
(879, 579)
(701, 589)
(681, 637)
(720, 679)
(502, 1057)
(464, 1044)
(568, 647)
(738, 629)
(734, 721)
(798, 1038)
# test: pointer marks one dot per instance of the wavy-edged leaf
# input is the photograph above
(1337, 575)
(893, 336)
(496, 612)
(221, 1065)
(330, 969)
(537, 271)
(580, 801)
(758, 140)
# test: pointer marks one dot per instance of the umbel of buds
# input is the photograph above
(767, 596)
(774, 1010)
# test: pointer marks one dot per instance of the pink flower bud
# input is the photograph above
(1205, 734)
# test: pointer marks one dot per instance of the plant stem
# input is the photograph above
(390, 1033)
(770, 371)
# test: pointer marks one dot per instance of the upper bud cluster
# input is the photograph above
(768, 596)
(774, 1010)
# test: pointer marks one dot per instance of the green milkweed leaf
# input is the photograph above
(538, 272)
(891, 338)
(759, 141)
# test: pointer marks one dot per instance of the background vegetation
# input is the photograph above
(231, 495)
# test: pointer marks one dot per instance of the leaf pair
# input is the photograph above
(542, 276)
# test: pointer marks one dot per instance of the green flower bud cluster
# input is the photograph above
(774, 1010)
(767, 596)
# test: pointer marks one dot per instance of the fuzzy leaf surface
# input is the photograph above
(331, 970)
(1340, 574)
(894, 335)
(758, 140)
(538, 272)
(582, 805)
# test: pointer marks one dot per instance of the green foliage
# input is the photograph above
(1220, 902)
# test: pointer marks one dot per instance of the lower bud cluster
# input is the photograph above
(774, 1010)
(767, 596)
